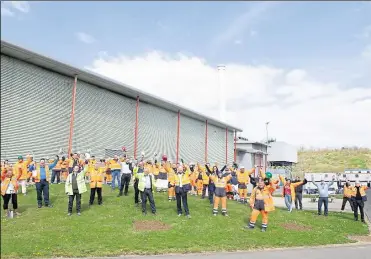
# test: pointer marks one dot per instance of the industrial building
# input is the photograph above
(47, 106)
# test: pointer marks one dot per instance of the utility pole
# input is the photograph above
(266, 129)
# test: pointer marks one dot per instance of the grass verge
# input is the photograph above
(109, 230)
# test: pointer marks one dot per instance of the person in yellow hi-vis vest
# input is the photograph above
(261, 202)
(41, 178)
(182, 185)
(243, 179)
(220, 195)
(21, 171)
(96, 181)
(9, 189)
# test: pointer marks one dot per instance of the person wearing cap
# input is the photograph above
(9, 189)
(146, 186)
(41, 176)
(359, 198)
(182, 185)
(21, 171)
(347, 196)
(243, 180)
(288, 191)
(74, 187)
(323, 194)
(96, 181)
(261, 202)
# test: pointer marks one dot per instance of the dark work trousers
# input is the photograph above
(136, 192)
(147, 193)
(57, 174)
(298, 200)
(323, 200)
(42, 187)
(211, 193)
(204, 188)
(7, 198)
(345, 200)
(358, 204)
(78, 201)
(181, 197)
(92, 195)
(125, 180)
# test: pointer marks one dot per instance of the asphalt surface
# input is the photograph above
(368, 205)
(338, 252)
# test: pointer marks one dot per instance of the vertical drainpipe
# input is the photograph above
(136, 128)
(72, 117)
(206, 130)
(177, 138)
(226, 145)
(235, 146)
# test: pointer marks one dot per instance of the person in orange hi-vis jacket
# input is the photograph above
(261, 202)
(96, 181)
(21, 171)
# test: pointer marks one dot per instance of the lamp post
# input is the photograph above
(266, 129)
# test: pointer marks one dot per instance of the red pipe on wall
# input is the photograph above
(206, 143)
(235, 147)
(226, 145)
(136, 128)
(177, 138)
(72, 117)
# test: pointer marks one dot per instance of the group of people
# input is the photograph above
(178, 179)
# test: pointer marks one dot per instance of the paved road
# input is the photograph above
(338, 252)
(308, 205)
(368, 205)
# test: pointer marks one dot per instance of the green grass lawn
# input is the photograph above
(108, 230)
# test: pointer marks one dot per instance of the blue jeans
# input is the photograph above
(324, 201)
(115, 174)
(288, 201)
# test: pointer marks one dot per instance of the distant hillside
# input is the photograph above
(333, 160)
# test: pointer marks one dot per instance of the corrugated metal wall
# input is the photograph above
(35, 110)
(32, 96)
(157, 131)
(230, 146)
(103, 120)
(192, 140)
(216, 144)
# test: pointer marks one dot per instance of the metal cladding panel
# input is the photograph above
(103, 120)
(192, 140)
(35, 110)
(216, 144)
(157, 131)
(230, 147)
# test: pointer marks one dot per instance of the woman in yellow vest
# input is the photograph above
(182, 185)
(261, 202)
(243, 179)
(220, 195)
(9, 189)
(96, 181)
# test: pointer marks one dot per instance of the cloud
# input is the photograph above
(10, 8)
(303, 110)
(242, 23)
(238, 42)
(85, 38)
(6, 12)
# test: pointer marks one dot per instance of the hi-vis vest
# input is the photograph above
(5, 184)
(37, 176)
(264, 194)
(20, 170)
(113, 165)
(96, 179)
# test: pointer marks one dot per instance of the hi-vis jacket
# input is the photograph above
(181, 182)
(114, 165)
(21, 170)
(347, 191)
(243, 179)
(47, 173)
(142, 181)
(5, 183)
(96, 178)
(220, 184)
(80, 178)
(264, 194)
(292, 187)
(362, 191)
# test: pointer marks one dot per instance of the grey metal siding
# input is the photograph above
(35, 109)
(192, 140)
(216, 144)
(230, 147)
(103, 120)
(157, 131)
